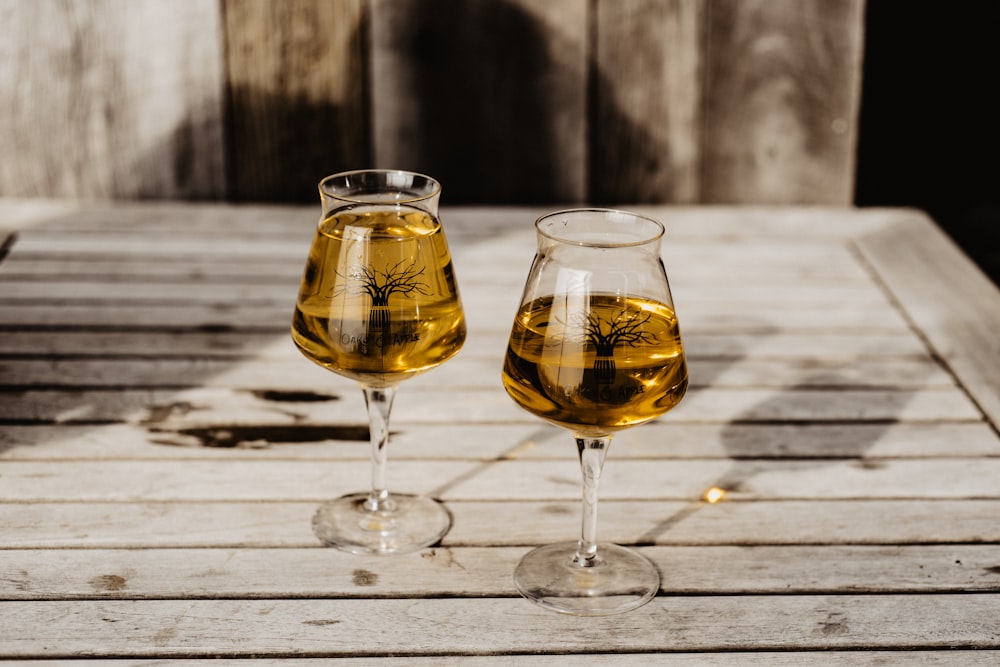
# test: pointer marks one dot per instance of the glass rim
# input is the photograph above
(660, 229)
(407, 198)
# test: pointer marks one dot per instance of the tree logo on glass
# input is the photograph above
(380, 285)
(605, 335)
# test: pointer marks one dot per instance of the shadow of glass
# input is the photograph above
(473, 102)
(280, 142)
(794, 444)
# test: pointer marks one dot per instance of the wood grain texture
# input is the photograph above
(540, 480)
(964, 331)
(867, 658)
(646, 134)
(296, 90)
(781, 98)
(234, 524)
(326, 628)
(464, 406)
(264, 439)
(111, 99)
(314, 572)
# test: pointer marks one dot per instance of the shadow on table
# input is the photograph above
(786, 449)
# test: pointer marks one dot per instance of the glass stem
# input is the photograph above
(379, 402)
(592, 452)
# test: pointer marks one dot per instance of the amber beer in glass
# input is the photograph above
(595, 348)
(378, 304)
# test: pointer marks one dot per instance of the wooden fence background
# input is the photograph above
(505, 101)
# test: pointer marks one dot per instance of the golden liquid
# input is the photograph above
(595, 366)
(379, 301)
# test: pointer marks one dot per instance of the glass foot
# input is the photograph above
(413, 523)
(620, 581)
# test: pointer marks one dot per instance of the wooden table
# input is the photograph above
(163, 447)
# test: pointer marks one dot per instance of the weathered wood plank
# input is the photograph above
(283, 291)
(296, 86)
(663, 439)
(733, 316)
(817, 345)
(866, 658)
(128, 574)
(747, 223)
(20, 214)
(964, 332)
(287, 524)
(331, 628)
(177, 216)
(23, 266)
(514, 244)
(822, 405)
(691, 264)
(249, 524)
(343, 404)
(113, 99)
(646, 139)
(163, 245)
(850, 346)
(159, 344)
(782, 125)
(471, 371)
(450, 479)
(501, 85)
(828, 268)
(741, 480)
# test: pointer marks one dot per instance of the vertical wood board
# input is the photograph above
(297, 95)
(111, 99)
(645, 141)
(781, 97)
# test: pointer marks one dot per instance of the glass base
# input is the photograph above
(620, 580)
(413, 523)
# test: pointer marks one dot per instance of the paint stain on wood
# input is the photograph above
(834, 626)
(256, 436)
(364, 578)
(293, 396)
(160, 413)
(216, 328)
(248, 437)
(109, 583)
(446, 556)
(164, 636)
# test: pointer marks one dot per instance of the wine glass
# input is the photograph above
(595, 348)
(379, 304)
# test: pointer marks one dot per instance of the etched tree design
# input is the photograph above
(625, 328)
(380, 285)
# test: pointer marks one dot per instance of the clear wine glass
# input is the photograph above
(595, 348)
(379, 303)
